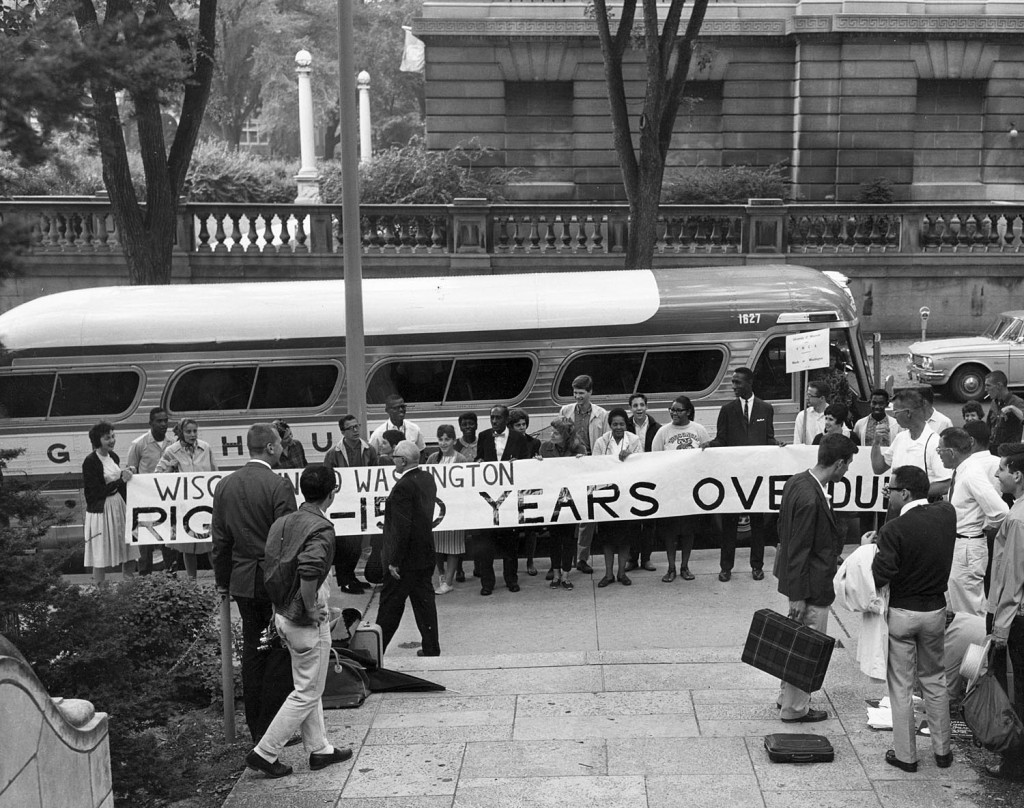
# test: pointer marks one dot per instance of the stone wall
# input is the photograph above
(45, 760)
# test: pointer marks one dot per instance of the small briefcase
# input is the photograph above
(795, 653)
(794, 747)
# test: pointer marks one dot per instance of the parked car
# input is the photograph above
(960, 364)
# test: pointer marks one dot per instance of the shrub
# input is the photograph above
(879, 190)
(218, 174)
(413, 174)
(708, 185)
(74, 169)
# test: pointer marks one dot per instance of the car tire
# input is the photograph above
(968, 383)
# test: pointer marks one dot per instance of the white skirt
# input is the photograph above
(104, 536)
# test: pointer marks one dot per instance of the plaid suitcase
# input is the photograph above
(795, 653)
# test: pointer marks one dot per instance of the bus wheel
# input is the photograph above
(968, 383)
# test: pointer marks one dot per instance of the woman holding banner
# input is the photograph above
(188, 453)
(562, 443)
(448, 544)
(615, 536)
(104, 482)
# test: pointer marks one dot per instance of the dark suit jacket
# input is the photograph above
(652, 430)
(805, 563)
(516, 447)
(915, 554)
(408, 522)
(245, 505)
(735, 430)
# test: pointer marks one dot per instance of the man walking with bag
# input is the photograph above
(300, 551)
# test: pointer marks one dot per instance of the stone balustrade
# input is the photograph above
(86, 225)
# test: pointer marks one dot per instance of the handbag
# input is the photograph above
(988, 713)
(347, 683)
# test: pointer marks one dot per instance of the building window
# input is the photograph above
(948, 131)
(253, 134)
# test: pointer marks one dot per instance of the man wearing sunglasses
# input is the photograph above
(915, 445)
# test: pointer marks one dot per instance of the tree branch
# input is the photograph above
(197, 93)
(677, 83)
(612, 51)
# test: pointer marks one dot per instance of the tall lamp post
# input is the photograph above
(355, 341)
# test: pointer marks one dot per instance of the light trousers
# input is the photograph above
(966, 591)
(796, 702)
(916, 643)
(310, 650)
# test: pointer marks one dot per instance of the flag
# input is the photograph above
(413, 55)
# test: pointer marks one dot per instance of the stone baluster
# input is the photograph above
(796, 233)
(733, 234)
(943, 226)
(875, 238)
(300, 234)
(102, 236)
(87, 240)
(389, 241)
(1014, 232)
(219, 236)
(661, 239)
(438, 241)
(715, 237)
(592, 232)
(252, 235)
(203, 234)
(236, 233)
(534, 237)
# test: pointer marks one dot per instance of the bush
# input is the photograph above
(877, 190)
(732, 185)
(218, 174)
(413, 174)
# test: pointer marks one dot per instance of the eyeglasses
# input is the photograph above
(897, 412)
(350, 426)
(676, 409)
(887, 490)
(812, 395)
(943, 449)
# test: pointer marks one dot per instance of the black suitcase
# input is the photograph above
(795, 653)
(794, 747)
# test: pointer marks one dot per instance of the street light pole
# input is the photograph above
(355, 341)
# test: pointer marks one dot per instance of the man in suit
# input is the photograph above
(744, 421)
(915, 554)
(499, 443)
(806, 561)
(245, 505)
(642, 424)
(408, 551)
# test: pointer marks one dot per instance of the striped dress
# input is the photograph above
(451, 542)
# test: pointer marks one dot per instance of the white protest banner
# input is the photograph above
(807, 351)
(167, 508)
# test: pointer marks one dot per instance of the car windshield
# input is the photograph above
(1004, 328)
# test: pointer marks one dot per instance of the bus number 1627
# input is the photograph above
(753, 318)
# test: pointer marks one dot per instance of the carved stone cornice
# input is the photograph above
(798, 25)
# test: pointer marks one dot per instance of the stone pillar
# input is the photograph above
(765, 227)
(365, 130)
(307, 179)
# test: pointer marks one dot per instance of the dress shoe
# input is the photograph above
(630, 566)
(555, 584)
(485, 591)
(810, 717)
(566, 583)
(669, 576)
(254, 760)
(444, 589)
(513, 587)
(317, 762)
(584, 567)
(531, 570)
(624, 579)
(944, 761)
(757, 575)
(605, 581)
(1004, 772)
(421, 652)
(352, 588)
(686, 575)
(892, 760)
(724, 576)
(460, 577)
(550, 576)
(647, 565)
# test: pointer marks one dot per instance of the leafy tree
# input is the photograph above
(160, 56)
(667, 55)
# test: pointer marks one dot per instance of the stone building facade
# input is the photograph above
(927, 94)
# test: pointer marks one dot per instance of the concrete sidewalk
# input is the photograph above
(621, 696)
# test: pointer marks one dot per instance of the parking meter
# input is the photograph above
(925, 313)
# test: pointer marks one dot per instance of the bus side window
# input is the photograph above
(681, 371)
(770, 378)
(491, 379)
(614, 374)
(415, 380)
(288, 387)
(217, 388)
(101, 393)
(26, 395)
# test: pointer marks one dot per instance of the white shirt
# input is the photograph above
(938, 422)
(606, 445)
(671, 437)
(500, 441)
(975, 496)
(923, 453)
(641, 430)
(408, 428)
(809, 422)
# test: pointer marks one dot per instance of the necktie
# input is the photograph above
(746, 412)
(952, 485)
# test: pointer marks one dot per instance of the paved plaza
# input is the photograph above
(620, 697)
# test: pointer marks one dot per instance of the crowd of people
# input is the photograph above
(950, 549)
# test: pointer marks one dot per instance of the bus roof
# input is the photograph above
(658, 301)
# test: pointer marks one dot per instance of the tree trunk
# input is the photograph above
(643, 212)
